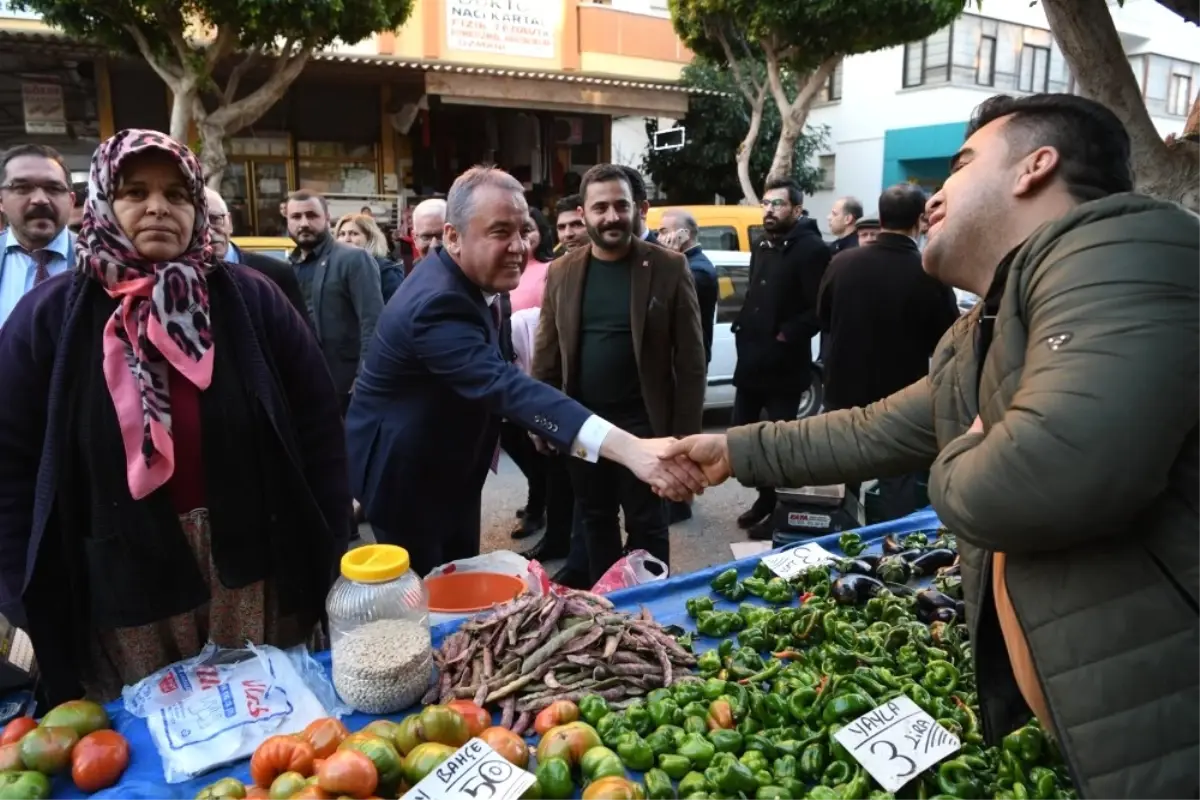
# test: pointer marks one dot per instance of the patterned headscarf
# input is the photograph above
(162, 319)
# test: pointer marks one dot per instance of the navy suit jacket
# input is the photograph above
(424, 420)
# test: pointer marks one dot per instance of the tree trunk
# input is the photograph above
(1088, 38)
(794, 115)
(183, 99)
(746, 148)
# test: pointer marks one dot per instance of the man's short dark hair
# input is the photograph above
(1092, 144)
(303, 195)
(795, 196)
(851, 206)
(901, 207)
(605, 173)
(571, 202)
(637, 184)
(38, 150)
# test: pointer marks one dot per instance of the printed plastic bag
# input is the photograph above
(218, 707)
(633, 570)
(502, 562)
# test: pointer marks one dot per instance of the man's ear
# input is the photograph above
(450, 239)
(1036, 170)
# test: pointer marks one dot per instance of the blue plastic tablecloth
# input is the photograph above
(665, 599)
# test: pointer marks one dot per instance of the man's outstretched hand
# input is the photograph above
(708, 451)
(674, 478)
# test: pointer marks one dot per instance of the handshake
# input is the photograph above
(677, 469)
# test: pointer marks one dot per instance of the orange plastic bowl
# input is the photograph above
(460, 592)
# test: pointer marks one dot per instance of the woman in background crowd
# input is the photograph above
(528, 293)
(361, 231)
(172, 459)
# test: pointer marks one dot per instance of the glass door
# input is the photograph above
(270, 192)
(235, 189)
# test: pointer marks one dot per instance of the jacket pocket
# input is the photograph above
(127, 590)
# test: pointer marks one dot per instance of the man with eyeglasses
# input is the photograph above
(773, 331)
(428, 220)
(36, 197)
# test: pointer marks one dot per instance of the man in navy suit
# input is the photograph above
(423, 426)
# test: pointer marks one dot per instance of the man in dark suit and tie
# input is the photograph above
(423, 426)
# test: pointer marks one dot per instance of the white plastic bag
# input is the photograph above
(217, 707)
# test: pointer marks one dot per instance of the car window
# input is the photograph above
(718, 237)
(733, 281)
(282, 255)
(756, 233)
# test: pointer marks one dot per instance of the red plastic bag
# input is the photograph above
(635, 569)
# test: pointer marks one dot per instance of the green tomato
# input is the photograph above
(554, 776)
(25, 785)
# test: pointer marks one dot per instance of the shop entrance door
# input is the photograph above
(255, 190)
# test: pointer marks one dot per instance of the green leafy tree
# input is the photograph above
(186, 43)
(800, 44)
(716, 125)
(1084, 29)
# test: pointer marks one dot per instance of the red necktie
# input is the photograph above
(41, 258)
(495, 309)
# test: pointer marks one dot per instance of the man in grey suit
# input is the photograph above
(340, 285)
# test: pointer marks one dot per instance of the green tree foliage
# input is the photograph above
(715, 126)
(190, 44)
(800, 43)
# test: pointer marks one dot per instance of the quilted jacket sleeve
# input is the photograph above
(1106, 398)
(892, 437)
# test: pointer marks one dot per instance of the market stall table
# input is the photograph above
(664, 599)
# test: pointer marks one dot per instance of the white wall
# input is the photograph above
(629, 140)
(873, 100)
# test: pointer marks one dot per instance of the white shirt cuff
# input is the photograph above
(591, 435)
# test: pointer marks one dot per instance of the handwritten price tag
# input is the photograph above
(896, 741)
(474, 772)
(790, 563)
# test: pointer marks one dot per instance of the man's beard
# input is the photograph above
(596, 235)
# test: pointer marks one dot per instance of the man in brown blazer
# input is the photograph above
(620, 332)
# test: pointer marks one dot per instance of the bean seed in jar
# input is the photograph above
(383, 666)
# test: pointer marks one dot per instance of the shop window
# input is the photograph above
(985, 61)
(337, 167)
(928, 61)
(828, 168)
(832, 91)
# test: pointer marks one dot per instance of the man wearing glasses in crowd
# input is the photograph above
(36, 198)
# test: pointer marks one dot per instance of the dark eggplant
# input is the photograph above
(891, 546)
(949, 585)
(933, 560)
(850, 590)
(893, 569)
(946, 615)
(853, 566)
(909, 555)
(869, 558)
(953, 569)
(900, 590)
(930, 599)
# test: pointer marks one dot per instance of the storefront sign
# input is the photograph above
(45, 113)
(525, 28)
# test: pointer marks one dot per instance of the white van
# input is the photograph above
(733, 275)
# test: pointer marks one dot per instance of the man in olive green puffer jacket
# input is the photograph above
(1059, 421)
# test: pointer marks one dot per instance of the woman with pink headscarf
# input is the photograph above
(172, 461)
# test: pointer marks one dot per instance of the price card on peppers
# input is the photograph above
(474, 772)
(792, 562)
(895, 741)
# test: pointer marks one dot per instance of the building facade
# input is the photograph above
(899, 114)
(533, 85)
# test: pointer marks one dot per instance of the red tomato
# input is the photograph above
(15, 730)
(99, 760)
(348, 772)
(278, 755)
(325, 735)
(477, 719)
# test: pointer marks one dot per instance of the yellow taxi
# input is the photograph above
(721, 227)
(273, 246)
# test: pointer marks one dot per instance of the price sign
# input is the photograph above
(896, 741)
(474, 772)
(790, 563)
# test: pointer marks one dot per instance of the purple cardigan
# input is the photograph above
(285, 359)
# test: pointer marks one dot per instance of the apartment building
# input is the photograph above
(899, 114)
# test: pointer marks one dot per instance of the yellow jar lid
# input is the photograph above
(375, 563)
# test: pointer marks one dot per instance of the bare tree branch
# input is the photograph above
(745, 78)
(220, 47)
(237, 73)
(236, 115)
(775, 78)
(173, 22)
(795, 113)
(170, 74)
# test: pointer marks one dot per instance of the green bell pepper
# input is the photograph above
(789, 747)
(847, 706)
(1044, 783)
(24, 785)
(696, 724)
(794, 788)
(763, 744)
(554, 776)
(695, 605)
(674, 765)
(674, 731)
(713, 688)
(716, 624)
(659, 694)
(858, 785)
(755, 586)
(658, 785)
(851, 544)
(957, 779)
(639, 718)
(784, 767)
(730, 776)
(600, 762)
(664, 712)
(778, 591)
(772, 793)
(690, 691)
(813, 760)
(724, 580)
(661, 741)
(709, 663)
(635, 753)
(694, 782)
(837, 772)
(695, 709)
(725, 741)
(593, 708)
(736, 593)
(1025, 743)
(696, 749)
(941, 678)
(756, 760)
(822, 792)
(748, 726)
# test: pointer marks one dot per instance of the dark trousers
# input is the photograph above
(604, 489)
(753, 405)
(426, 550)
(533, 465)
(560, 505)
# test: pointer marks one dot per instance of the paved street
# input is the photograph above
(700, 542)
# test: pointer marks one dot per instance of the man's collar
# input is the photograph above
(645, 234)
(59, 245)
(298, 256)
(693, 249)
(232, 254)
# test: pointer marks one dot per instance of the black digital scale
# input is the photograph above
(813, 511)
